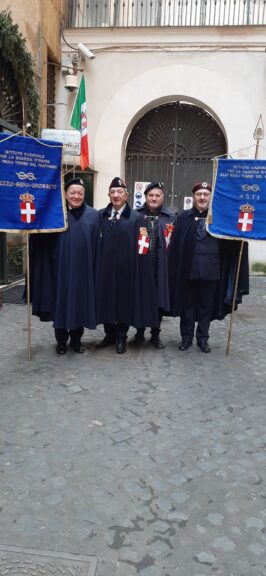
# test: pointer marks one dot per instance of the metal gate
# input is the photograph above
(174, 143)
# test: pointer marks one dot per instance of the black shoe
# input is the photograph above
(106, 341)
(77, 347)
(156, 342)
(61, 349)
(184, 345)
(204, 346)
(121, 346)
(136, 340)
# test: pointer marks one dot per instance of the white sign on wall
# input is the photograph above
(139, 197)
(188, 202)
(69, 138)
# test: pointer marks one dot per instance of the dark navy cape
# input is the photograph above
(154, 290)
(117, 292)
(63, 269)
(180, 257)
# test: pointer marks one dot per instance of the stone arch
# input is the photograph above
(174, 143)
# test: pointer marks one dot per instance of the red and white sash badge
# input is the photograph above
(245, 218)
(168, 231)
(143, 241)
(27, 208)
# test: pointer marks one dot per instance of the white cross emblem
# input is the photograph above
(245, 221)
(28, 211)
(143, 244)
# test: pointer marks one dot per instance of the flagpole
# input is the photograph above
(28, 292)
(78, 120)
(27, 262)
(234, 297)
(258, 135)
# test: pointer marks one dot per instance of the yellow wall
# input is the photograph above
(39, 23)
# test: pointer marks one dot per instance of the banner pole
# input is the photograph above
(27, 262)
(28, 293)
(234, 298)
(258, 135)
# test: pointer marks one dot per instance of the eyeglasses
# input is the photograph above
(76, 194)
(205, 194)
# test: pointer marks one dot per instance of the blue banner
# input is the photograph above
(238, 205)
(31, 188)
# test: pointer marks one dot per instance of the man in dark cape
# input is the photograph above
(202, 271)
(63, 269)
(156, 227)
(118, 278)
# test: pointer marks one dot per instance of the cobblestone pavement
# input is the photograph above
(153, 461)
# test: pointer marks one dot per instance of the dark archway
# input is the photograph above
(174, 143)
(18, 67)
(11, 112)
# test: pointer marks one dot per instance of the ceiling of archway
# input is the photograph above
(177, 129)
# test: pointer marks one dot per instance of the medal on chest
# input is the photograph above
(143, 241)
(168, 231)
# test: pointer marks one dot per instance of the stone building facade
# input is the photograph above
(168, 90)
(30, 40)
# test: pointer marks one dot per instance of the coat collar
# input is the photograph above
(77, 212)
(163, 210)
(196, 212)
(125, 214)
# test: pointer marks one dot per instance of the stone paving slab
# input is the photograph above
(153, 462)
(14, 561)
(13, 294)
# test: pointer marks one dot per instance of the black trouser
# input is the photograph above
(116, 331)
(62, 335)
(155, 330)
(198, 305)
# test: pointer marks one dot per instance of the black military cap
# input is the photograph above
(117, 183)
(153, 185)
(71, 181)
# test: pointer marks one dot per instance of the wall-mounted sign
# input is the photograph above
(69, 138)
(188, 202)
(139, 197)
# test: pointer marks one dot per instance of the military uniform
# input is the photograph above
(118, 275)
(201, 268)
(63, 271)
(156, 227)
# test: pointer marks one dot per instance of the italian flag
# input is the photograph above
(78, 121)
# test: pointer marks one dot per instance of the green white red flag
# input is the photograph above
(78, 121)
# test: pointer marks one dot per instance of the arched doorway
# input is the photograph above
(11, 114)
(175, 144)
